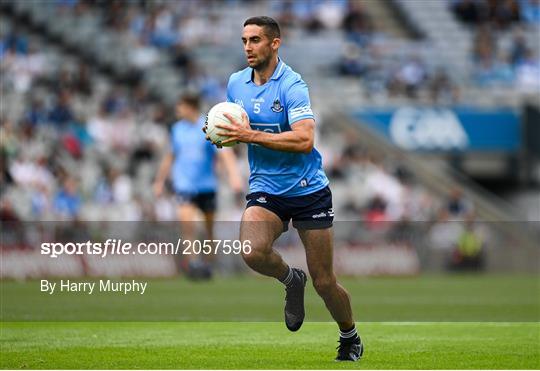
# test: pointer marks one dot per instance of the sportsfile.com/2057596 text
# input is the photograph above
(119, 247)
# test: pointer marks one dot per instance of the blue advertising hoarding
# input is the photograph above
(446, 129)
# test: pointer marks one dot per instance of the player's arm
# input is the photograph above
(163, 173)
(299, 139)
(228, 159)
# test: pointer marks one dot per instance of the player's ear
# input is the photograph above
(276, 43)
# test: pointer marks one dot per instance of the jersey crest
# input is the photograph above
(276, 106)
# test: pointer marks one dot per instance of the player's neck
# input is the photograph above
(262, 75)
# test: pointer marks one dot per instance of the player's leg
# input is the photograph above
(209, 259)
(189, 215)
(262, 227)
(186, 213)
(206, 202)
(319, 255)
(209, 218)
(201, 266)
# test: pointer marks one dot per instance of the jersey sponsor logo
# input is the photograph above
(267, 128)
(322, 214)
(277, 107)
(319, 215)
(239, 102)
(257, 100)
(300, 111)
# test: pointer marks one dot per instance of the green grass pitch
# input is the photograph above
(433, 322)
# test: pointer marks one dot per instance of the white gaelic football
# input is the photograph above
(215, 116)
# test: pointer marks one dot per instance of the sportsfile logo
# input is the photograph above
(120, 247)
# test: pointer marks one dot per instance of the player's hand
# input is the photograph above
(205, 129)
(236, 131)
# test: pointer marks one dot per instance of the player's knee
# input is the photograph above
(254, 257)
(324, 285)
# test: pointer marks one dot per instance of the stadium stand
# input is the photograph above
(89, 90)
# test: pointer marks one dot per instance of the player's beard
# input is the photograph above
(261, 65)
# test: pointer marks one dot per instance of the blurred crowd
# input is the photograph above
(77, 145)
(59, 136)
(369, 56)
(178, 28)
(500, 13)
(68, 146)
(515, 63)
(384, 203)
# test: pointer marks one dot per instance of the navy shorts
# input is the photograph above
(205, 201)
(312, 211)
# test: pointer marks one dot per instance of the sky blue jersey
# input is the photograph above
(274, 107)
(193, 167)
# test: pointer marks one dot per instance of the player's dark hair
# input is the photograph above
(271, 27)
(191, 99)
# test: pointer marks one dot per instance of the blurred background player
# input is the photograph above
(191, 163)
